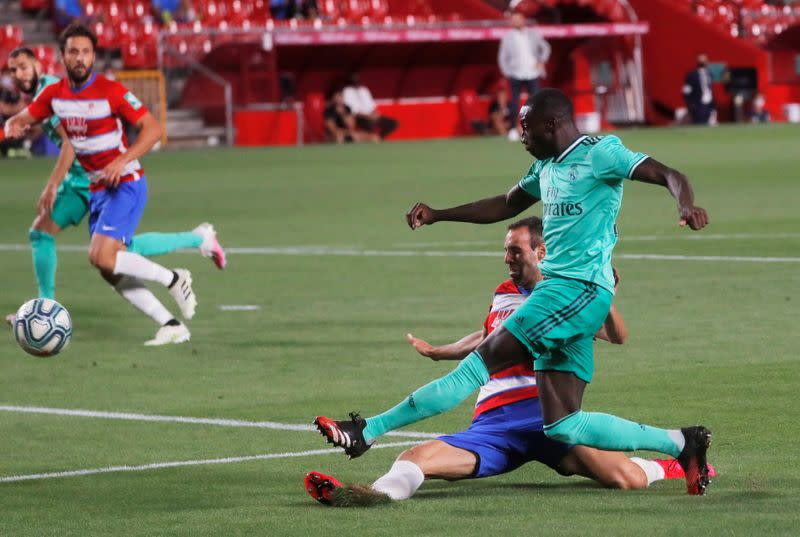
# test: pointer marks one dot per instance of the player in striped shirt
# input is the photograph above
(507, 426)
(92, 110)
(64, 201)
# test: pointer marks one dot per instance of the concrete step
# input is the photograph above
(183, 126)
(204, 137)
(182, 113)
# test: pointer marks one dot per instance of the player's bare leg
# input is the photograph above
(431, 460)
(356, 435)
(611, 469)
(109, 255)
(561, 393)
(134, 291)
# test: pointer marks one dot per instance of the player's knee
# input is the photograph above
(102, 260)
(416, 454)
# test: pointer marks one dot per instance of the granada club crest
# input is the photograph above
(76, 127)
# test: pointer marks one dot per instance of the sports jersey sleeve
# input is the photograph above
(613, 161)
(42, 106)
(54, 122)
(530, 182)
(126, 105)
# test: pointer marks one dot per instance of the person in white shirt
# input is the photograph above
(359, 99)
(522, 57)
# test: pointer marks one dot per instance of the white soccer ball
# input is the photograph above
(43, 327)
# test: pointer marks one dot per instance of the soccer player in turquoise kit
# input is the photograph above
(579, 180)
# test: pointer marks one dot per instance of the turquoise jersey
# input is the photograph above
(76, 177)
(581, 193)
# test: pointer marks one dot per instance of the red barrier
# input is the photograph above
(265, 127)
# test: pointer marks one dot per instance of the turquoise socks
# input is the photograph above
(434, 398)
(152, 244)
(604, 431)
(43, 246)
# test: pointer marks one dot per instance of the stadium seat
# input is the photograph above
(313, 109)
(34, 5)
(470, 110)
(46, 54)
(105, 36)
(11, 36)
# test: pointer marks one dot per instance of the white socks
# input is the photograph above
(131, 264)
(651, 469)
(401, 482)
(140, 296)
(677, 436)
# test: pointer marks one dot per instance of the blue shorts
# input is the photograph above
(115, 212)
(505, 438)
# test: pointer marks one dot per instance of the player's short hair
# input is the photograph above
(22, 51)
(552, 102)
(534, 225)
(76, 29)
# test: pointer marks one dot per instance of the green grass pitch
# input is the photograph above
(712, 341)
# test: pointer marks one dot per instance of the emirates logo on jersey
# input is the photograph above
(76, 127)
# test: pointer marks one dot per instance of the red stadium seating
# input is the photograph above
(34, 5)
(10, 38)
(48, 58)
(118, 22)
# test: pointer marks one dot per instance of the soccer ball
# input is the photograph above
(43, 327)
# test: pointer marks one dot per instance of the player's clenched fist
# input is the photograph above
(695, 217)
(13, 129)
(419, 215)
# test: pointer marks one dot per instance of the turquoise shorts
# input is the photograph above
(558, 322)
(71, 205)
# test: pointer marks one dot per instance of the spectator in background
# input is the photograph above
(698, 94)
(759, 113)
(522, 57)
(499, 115)
(340, 124)
(308, 9)
(359, 99)
(186, 13)
(10, 103)
(66, 11)
(166, 10)
(283, 9)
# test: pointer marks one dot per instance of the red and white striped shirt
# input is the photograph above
(92, 115)
(517, 382)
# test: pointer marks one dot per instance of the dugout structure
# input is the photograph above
(150, 88)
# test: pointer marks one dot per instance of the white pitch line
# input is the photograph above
(625, 238)
(130, 416)
(319, 251)
(239, 307)
(177, 464)
(726, 258)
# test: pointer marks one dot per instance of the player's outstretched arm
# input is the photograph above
(653, 172)
(18, 125)
(613, 329)
(150, 132)
(66, 156)
(485, 211)
(452, 351)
